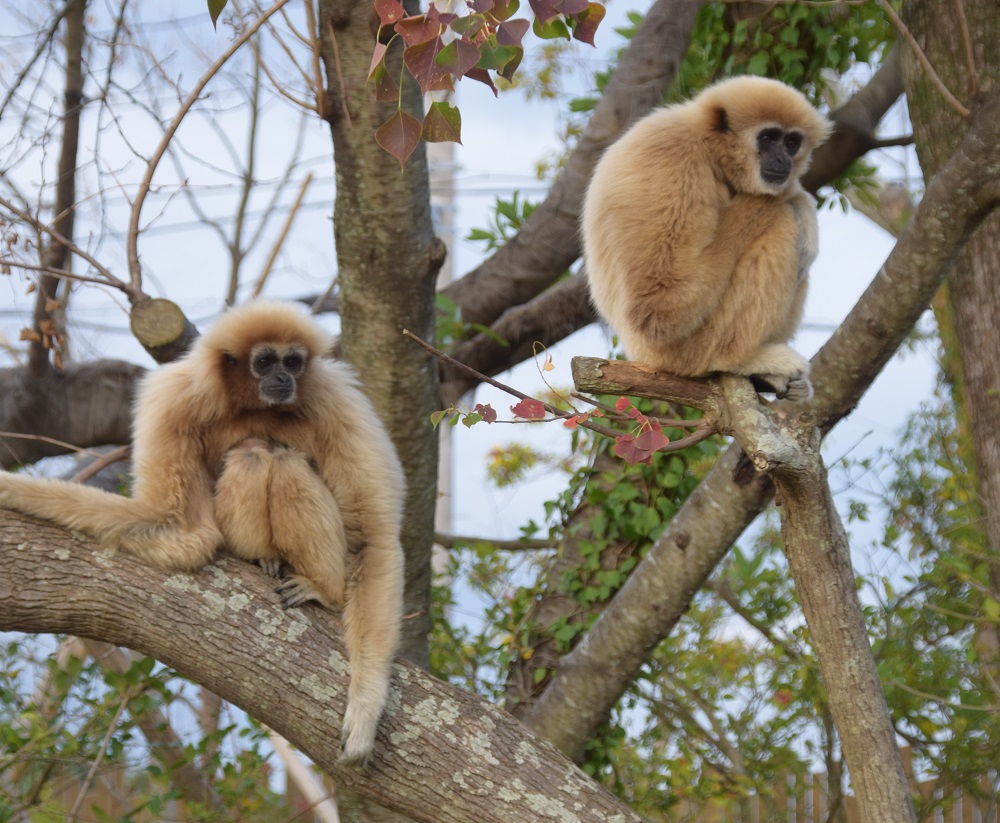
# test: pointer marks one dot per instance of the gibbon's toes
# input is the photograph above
(357, 742)
(776, 384)
(798, 390)
(295, 591)
(271, 567)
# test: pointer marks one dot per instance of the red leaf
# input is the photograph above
(422, 28)
(572, 7)
(622, 403)
(389, 11)
(572, 421)
(399, 135)
(482, 5)
(544, 10)
(483, 76)
(511, 32)
(587, 22)
(626, 449)
(420, 61)
(458, 57)
(651, 441)
(378, 58)
(442, 124)
(487, 412)
(529, 409)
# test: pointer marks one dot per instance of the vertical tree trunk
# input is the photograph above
(388, 259)
(56, 254)
(967, 67)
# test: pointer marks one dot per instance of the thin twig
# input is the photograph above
(924, 61)
(41, 438)
(131, 692)
(105, 460)
(611, 413)
(703, 432)
(457, 541)
(314, 46)
(61, 273)
(340, 74)
(134, 267)
(970, 58)
(24, 214)
(273, 256)
(555, 412)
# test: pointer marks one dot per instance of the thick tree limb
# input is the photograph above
(593, 676)
(228, 632)
(88, 404)
(548, 242)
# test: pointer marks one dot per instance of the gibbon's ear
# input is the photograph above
(719, 120)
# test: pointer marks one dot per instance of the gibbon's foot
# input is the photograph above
(357, 739)
(271, 567)
(796, 388)
(295, 591)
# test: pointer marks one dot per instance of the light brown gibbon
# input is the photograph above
(256, 442)
(698, 236)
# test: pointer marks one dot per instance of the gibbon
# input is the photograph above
(698, 237)
(256, 442)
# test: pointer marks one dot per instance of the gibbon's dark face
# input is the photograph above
(775, 150)
(277, 369)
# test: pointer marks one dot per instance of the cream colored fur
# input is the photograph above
(315, 484)
(695, 261)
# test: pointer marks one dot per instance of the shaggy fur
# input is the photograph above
(313, 482)
(697, 262)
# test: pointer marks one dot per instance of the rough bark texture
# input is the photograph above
(592, 677)
(973, 285)
(388, 259)
(819, 559)
(443, 755)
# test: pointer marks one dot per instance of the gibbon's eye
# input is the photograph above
(766, 137)
(793, 142)
(293, 362)
(231, 361)
(265, 362)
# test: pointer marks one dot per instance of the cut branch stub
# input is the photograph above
(596, 375)
(162, 328)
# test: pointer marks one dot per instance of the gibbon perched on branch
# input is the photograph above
(698, 237)
(256, 442)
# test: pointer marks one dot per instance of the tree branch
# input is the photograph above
(290, 669)
(592, 677)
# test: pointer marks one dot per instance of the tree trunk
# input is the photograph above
(968, 68)
(387, 264)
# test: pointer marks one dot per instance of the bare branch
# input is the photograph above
(134, 267)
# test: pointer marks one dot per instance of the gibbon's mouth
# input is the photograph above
(774, 178)
(278, 397)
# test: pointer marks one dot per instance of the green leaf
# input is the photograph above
(458, 57)
(215, 8)
(554, 29)
(442, 123)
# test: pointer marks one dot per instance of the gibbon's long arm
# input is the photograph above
(363, 470)
(168, 521)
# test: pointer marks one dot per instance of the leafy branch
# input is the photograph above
(441, 47)
(645, 436)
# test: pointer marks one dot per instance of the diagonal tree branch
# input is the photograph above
(548, 242)
(290, 668)
(593, 676)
